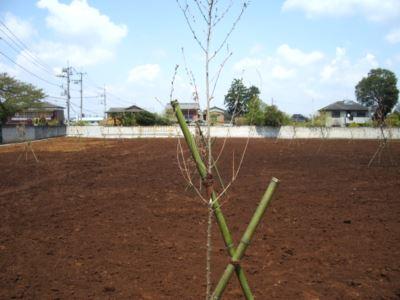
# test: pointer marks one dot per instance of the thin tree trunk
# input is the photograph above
(209, 166)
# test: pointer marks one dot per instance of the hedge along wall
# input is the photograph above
(284, 132)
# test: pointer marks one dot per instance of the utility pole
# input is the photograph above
(105, 101)
(81, 92)
(66, 73)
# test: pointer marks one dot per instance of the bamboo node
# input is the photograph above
(229, 246)
(245, 242)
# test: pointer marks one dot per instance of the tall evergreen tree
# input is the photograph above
(238, 97)
(379, 91)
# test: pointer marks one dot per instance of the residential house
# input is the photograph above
(217, 115)
(40, 113)
(190, 111)
(343, 113)
(116, 113)
(298, 118)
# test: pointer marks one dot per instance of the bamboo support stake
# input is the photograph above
(246, 239)
(215, 204)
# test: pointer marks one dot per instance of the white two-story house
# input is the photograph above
(343, 113)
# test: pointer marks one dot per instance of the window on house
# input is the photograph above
(335, 114)
(361, 114)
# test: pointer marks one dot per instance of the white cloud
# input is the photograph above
(341, 71)
(375, 10)
(21, 28)
(330, 69)
(320, 78)
(85, 35)
(281, 72)
(147, 72)
(78, 19)
(393, 36)
(55, 53)
(297, 57)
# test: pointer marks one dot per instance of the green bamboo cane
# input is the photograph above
(215, 204)
(246, 238)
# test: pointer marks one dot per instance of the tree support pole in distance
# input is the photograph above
(215, 204)
(246, 239)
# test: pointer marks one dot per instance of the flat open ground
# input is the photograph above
(112, 220)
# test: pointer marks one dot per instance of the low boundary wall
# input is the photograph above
(10, 133)
(284, 132)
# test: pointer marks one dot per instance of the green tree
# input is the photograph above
(378, 90)
(255, 115)
(393, 119)
(16, 96)
(128, 119)
(169, 114)
(145, 118)
(318, 120)
(274, 117)
(162, 120)
(239, 96)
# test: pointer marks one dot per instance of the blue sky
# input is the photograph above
(303, 54)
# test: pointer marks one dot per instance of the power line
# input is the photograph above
(26, 70)
(23, 53)
(84, 97)
(94, 83)
(23, 45)
(85, 109)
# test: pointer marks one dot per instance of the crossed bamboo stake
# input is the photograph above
(238, 253)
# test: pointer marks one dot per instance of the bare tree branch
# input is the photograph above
(244, 6)
(173, 83)
(216, 77)
(200, 8)
(222, 16)
(185, 14)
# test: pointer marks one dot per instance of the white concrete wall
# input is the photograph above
(10, 134)
(284, 132)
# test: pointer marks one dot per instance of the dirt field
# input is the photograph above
(112, 220)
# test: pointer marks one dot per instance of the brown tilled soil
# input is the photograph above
(112, 220)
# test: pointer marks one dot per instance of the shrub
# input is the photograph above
(39, 121)
(393, 120)
(53, 122)
(255, 116)
(240, 121)
(318, 120)
(274, 117)
(161, 120)
(354, 125)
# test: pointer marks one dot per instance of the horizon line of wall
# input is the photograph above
(284, 132)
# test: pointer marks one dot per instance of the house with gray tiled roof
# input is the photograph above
(343, 113)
